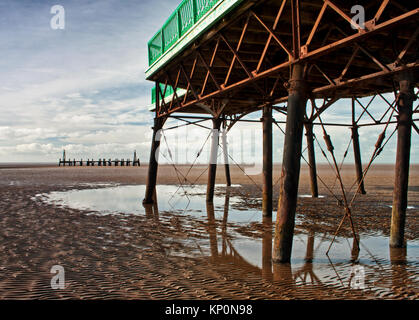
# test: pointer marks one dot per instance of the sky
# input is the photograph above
(83, 89)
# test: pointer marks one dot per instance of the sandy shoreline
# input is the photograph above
(153, 256)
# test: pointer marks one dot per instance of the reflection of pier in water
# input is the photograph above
(222, 252)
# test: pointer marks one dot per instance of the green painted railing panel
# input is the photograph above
(185, 16)
(155, 47)
(171, 31)
(203, 6)
(169, 92)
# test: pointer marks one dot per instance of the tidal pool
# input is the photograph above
(374, 268)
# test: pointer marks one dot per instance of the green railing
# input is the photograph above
(169, 93)
(185, 16)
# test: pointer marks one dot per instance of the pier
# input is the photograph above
(102, 162)
(220, 61)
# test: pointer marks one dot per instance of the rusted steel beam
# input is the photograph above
(359, 80)
(208, 68)
(311, 159)
(212, 167)
(255, 76)
(362, 35)
(236, 55)
(267, 189)
(188, 80)
(406, 48)
(237, 49)
(323, 108)
(343, 15)
(380, 10)
(401, 183)
(268, 42)
(316, 24)
(296, 29)
(284, 228)
(271, 33)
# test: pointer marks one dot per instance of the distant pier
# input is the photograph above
(102, 162)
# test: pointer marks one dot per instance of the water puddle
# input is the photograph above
(374, 268)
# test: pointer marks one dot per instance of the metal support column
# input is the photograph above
(226, 162)
(212, 167)
(404, 123)
(267, 161)
(357, 152)
(357, 158)
(154, 153)
(153, 163)
(312, 160)
(284, 228)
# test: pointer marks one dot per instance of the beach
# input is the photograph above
(159, 254)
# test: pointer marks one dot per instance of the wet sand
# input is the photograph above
(158, 255)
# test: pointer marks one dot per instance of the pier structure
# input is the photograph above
(220, 60)
(102, 162)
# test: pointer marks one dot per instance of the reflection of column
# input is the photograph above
(148, 210)
(355, 249)
(282, 275)
(152, 212)
(225, 219)
(398, 256)
(398, 266)
(267, 249)
(307, 268)
(310, 248)
(156, 211)
(212, 230)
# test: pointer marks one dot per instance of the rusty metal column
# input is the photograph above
(267, 161)
(404, 132)
(284, 228)
(154, 153)
(226, 162)
(357, 158)
(312, 159)
(357, 152)
(212, 167)
(153, 163)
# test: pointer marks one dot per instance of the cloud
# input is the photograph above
(83, 88)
